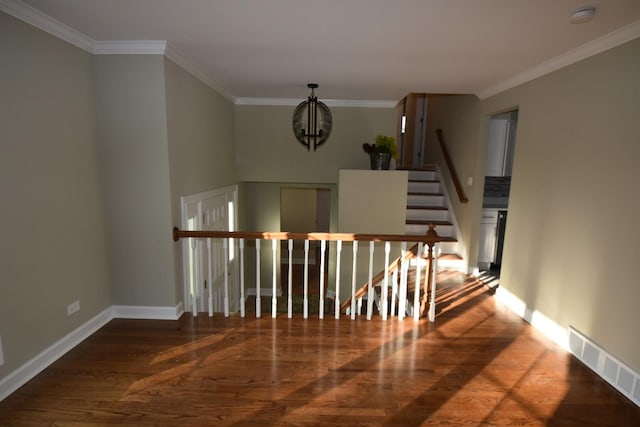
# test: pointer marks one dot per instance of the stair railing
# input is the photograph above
(451, 168)
(237, 240)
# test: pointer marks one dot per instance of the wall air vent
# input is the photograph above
(616, 373)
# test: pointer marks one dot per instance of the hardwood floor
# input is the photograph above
(479, 364)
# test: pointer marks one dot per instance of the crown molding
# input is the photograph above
(291, 102)
(173, 54)
(606, 42)
(38, 19)
(130, 47)
(46, 23)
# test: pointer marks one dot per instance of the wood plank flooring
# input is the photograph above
(478, 365)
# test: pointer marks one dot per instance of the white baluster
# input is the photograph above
(290, 281)
(195, 275)
(337, 299)
(274, 290)
(323, 247)
(432, 301)
(225, 262)
(209, 275)
(402, 299)
(394, 290)
(242, 298)
(258, 302)
(353, 280)
(305, 301)
(416, 289)
(385, 284)
(371, 289)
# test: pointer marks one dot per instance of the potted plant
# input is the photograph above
(381, 152)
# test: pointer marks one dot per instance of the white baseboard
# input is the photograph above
(147, 312)
(616, 373)
(548, 327)
(606, 366)
(33, 367)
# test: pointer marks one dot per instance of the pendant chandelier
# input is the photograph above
(312, 121)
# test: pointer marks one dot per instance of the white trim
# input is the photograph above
(33, 367)
(52, 26)
(548, 327)
(292, 102)
(173, 54)
(608, 41)
(147, 312)
(46, 23)
(620, 376)
(130, 47)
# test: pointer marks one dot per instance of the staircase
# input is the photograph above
(427, 203)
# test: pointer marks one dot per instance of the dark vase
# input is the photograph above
(380, 161)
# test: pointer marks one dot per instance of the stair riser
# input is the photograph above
(427, 215)
(422, 175)
(424, 187)
(413, 200)
(419, 230)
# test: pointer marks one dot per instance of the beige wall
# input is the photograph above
(572, 237)
(460, 120)
(134, 165)
(298, 209)
(372, 201)
(260, 202)
(267, 151)
(269, 158)
(200, 129)
(52, 250)
(369, 202)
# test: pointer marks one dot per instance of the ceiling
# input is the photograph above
(357, 49)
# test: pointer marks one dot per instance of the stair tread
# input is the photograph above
(427, 222)
(443, 239)
(419, 193)
(450, 257)
(425, 168)
(428, 207)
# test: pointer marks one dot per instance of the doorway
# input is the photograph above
(210, 210)
(304, 210)
(497, 188)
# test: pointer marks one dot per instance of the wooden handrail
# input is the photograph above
(451, 167)
(430, 238)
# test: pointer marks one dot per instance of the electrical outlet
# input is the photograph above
(73, 307)
(1, 354)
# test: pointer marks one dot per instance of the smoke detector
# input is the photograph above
(582, 15)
